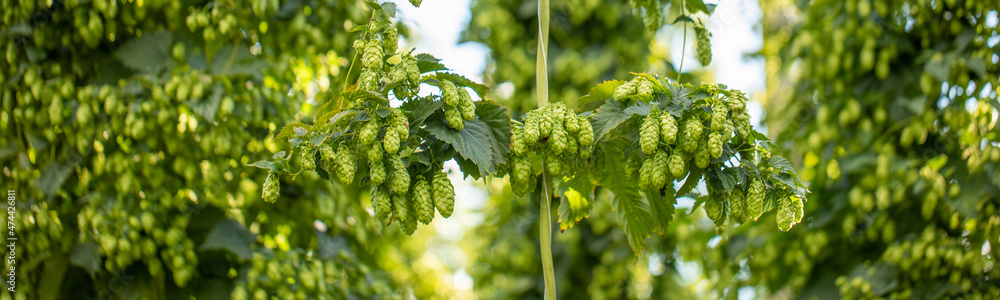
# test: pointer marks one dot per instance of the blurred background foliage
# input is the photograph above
(127, 125)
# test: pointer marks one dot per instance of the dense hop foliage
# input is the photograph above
(125, 129)
(892, 107)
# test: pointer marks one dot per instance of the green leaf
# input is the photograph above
(87, 256)
(690, 182)
(607, 117)
(728, 177)
(356, 28)
(50, 285)
(428, 63)
(55, 174)
(263, 164)
(468, 168)
(292, 129)
(234, 60)
(389, 8)
(148, 54)
(577, 199)
(331, 246)
(633, 211)
(602, 91)
(474, 142)
(207, 108)
(231, 236)
(697, 5)
(662, 209)
(421, 108)
(498, 119)
(781, 164)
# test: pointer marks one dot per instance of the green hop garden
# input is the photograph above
(296, 149)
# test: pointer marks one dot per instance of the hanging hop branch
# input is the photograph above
(554, 134)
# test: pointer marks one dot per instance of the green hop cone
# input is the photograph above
(586, 141)
(715, 209)
(531, 133)
(517, 144)
(521, 180)
(398, 74)
(400, 124)
(380, 202)
(676, 165)
(704, 50)
(390, 142)
(373, 55)
(559, 140)
(444, 194)
(572, 146)
(390, 40)
(571, 123)
(755, 199)
(691, 135)
(715, 144)
(668, 128)
(624, 91)
(374, 153)
(368, 132)
(360, 45)
(409, 226)
(786, 213)
(466, 105)
(326, 152)
(376, 172)
(649, 133)
(546, 123)
(400, 182)
(737, 205)
(798, 209)
(643, 87)
(702, 159)
(454, 118)
(270, 188)
(401, 207)
(449, 93)
(421, 195)
(346, 164)
(308, 159)
(720, 114)
(742, 124)
(653, 172)
(554, 164)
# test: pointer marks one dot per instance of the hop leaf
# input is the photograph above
(421, 194)
(380, 202)
(649, 133)
(270, 189)
(444, 194)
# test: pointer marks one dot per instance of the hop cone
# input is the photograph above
(308, 159)
(755, 199)
(715, 209)
(326, 152)
(400, 177)
(558, 141)
(586, 140)
(737, 205)
(372, 58)
(401, 207)
(444, 194)
(270, 189)
(454, 117)
(649, 134)
(715, 144)
(380, 202)
(374, 153)
(449, 93)
(677, 166)
(668, 128)
(391, 141)
(624, 91)
(691, 135)
(466, 105)
(346, 165)
(368, 132)
(719, 116)
(521, 179)
(701, 158)
(704, 45)
(421, 195)
(376, 172)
